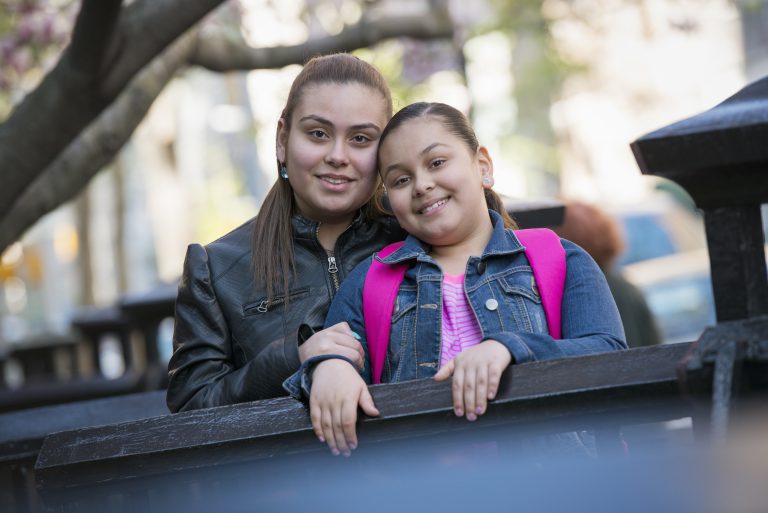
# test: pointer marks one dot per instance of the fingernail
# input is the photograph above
(354, 334)
(335, 452)
(347, 454)
(471, 417)
(353, 446)
(321, 438)
(479, 410)
(491, 395)
(459, 412)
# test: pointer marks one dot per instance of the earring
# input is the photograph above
(283, 171)
(487, 180)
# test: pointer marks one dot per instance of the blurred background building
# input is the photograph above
(557, 89)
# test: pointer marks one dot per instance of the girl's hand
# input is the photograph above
(338, 339)
(337, 391)
(476, 374)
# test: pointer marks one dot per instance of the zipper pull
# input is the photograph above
(332, 265)
(263, 306)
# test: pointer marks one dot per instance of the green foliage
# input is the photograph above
(388, 58)
(752, 6)
(539, 71)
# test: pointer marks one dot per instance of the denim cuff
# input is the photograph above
(299, 384)
(520, 351)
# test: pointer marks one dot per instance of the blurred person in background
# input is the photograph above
(600, 236)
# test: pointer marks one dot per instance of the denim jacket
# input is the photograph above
(503, 295)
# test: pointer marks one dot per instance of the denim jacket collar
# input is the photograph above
(503, 242)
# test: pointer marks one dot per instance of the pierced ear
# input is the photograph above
(485, 163)
(281, 140)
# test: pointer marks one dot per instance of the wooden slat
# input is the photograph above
(22, 433)
(31, 426)
(619, 387)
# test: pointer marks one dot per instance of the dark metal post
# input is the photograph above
(721, 158)
(737, 261)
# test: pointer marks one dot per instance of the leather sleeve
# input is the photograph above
(202, 371)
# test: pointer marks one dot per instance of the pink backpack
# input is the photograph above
(545, 254)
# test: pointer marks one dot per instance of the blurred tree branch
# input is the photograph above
(88, 106)
(109, 46)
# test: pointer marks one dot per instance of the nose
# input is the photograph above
(337, 154)
(422, 183)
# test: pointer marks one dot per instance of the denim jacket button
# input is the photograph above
(491, 304)
(481, 268)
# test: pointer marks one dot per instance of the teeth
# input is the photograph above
(434, 206)
(335, 181)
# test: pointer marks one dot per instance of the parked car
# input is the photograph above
(678, 290)
(657, 228)
(665, 256)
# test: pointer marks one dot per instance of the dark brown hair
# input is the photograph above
(594, 230)
(457, 124)
(273, 259)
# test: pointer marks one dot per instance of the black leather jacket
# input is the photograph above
(230, 344)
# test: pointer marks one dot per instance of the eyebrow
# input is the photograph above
(326, 122)
(421, 153)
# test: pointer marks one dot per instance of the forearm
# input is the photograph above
(590, 319)
(531, 347)
(205, 377)
(206, 369)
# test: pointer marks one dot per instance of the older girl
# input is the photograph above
(248, 302)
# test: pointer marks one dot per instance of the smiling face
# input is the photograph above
(330, 149)
(435, 182)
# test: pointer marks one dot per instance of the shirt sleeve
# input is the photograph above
(347, 306)
(590, 319)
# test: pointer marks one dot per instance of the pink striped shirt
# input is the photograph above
(460, 328)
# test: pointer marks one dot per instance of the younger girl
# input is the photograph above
(468, 305)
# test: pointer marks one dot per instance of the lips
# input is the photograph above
(335, 179)
(432, 206)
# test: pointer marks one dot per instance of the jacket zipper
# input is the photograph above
(265, 305)
(333, 271)
(333, 267)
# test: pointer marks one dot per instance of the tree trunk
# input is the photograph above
(83, 224)
(109, 47)
(95, 147)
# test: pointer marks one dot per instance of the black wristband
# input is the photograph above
(305, 332)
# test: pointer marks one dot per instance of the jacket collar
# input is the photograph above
(306, 229)
(503, 242)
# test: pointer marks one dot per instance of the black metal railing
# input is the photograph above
(720, 157)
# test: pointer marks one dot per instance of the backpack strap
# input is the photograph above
(546, 255)
(379, 293)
